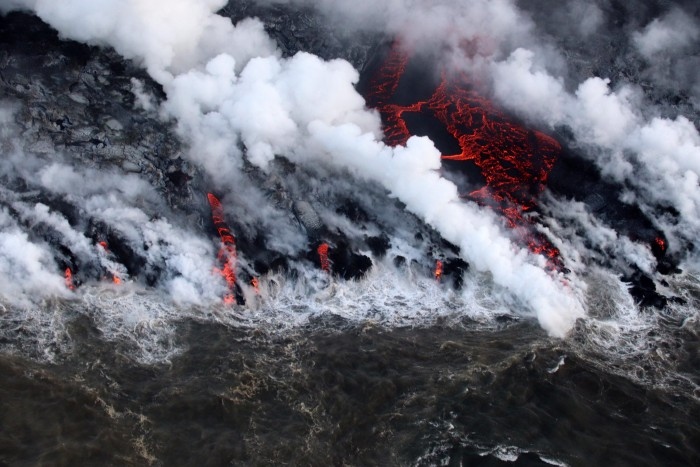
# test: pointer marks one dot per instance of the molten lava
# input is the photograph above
(438, 270)
(514, 160)
(115, 278)
(69, 279)
(660, 243)
(322, 251)
(255, 283)
(227, 253)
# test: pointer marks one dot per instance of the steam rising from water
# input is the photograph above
(236, 101)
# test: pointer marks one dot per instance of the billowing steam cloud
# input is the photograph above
(669, 34)
(26, 269)
(233, 96)
(25, 266)
(630, 143)
(657, 156)
(670, 48)
(115, 200)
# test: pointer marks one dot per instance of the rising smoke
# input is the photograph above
(630, 140)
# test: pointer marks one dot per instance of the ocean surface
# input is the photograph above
(330, 390)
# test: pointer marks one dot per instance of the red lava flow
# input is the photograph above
(515, 161)
(227, 253)
(68, 275)
(115, 278)
(322, 251)
(438, 270)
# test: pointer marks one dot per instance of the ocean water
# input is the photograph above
(121, 378)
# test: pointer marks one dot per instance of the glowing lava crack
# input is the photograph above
(514, 161)
(227, 252)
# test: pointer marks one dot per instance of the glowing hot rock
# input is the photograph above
(322, 251)
(227, 252)
(438, 270)
(69, 279)
(105, 249)
(514, 161)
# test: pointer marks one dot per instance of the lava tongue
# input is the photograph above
(227, 252)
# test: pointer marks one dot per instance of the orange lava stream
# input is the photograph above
(69, 279)
(438, 270)
(322, 251)
(515, 161)
(115, 279)
(227, 253)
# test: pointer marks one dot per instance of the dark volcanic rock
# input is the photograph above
(379, 245)
(348, 264)
(297, 28)
(353, 211)
(608, 51)
(399, 261)
(577, 178)
(644, 291)
(271, 262)
(79, 101)
(455, 268)
(343, 261)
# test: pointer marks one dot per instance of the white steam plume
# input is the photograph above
(226, 86)
(670, 46)
(122, 203)
(25, 266)
(675, 30)
(166, 36)
(118, 201)
(655, 155)
(659, 157)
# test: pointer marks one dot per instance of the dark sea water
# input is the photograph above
(335, 393)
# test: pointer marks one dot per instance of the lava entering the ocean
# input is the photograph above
(322, 251)
(514, 161)
(68, 275)
(227, 253)
(438, 270)
(115, 276)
